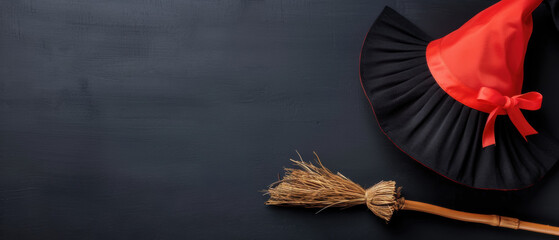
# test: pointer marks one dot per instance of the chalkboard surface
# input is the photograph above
(164, 119)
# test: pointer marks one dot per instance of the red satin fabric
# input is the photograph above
(487, 52)
(510, 106)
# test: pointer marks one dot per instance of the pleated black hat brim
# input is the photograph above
(433, 128)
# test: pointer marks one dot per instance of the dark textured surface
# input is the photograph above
(164, 119)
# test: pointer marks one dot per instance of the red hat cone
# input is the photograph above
(481, 64)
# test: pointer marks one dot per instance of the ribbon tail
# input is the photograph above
(488, 137)
(520, 122)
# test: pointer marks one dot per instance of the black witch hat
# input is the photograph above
(455, 104)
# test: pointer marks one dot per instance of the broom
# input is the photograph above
(313, 186)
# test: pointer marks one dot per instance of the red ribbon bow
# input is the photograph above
(510, 106)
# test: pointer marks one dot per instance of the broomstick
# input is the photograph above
(317, 187)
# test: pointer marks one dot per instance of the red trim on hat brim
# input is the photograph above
(390, 139)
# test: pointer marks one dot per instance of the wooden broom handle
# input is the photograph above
(493, 220)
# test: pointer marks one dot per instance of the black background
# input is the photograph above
(164, 119)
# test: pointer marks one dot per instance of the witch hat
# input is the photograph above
(455, 104)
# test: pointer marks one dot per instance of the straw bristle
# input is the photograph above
(383, 199)
(313, 186)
